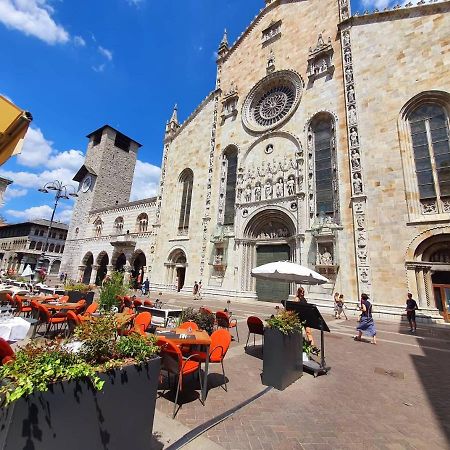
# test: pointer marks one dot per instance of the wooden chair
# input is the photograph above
(223, 321)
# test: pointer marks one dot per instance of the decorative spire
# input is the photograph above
(172, 125)
(174, 117)
(223, 47)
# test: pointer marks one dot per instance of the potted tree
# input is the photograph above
(282, 361)
(100, 396)
(112, 288)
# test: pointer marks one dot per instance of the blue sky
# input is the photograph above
(78, 64)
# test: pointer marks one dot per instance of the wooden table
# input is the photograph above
(200, 338)
(122, 319)
(61, 306)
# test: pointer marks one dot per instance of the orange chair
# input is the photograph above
(92, 308)
(148, 303)
(20, 308)
(6, 352)
(81, 306)
(128, 302)
(142, 322)
(63, 299)
(220, 343)
(205, 310)
(186, 325)
(223, 321)
(255, 326)
(173, 363)
(137, 302)
(72, 322)
(45, 317)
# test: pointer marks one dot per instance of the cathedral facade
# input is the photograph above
(325, 141)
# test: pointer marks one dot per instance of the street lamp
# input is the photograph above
(62, 191)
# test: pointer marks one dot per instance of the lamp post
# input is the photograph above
(61, 192)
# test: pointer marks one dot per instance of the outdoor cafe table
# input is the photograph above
(194, 337)
(14, 329)
(163, 314)
(122, 319)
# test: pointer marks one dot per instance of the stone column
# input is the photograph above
(93, 279)
(109, 270)
(127, 275)
(80, 273)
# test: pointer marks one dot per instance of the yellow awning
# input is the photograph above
(14, 124)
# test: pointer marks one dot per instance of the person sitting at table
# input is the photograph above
(302, 300)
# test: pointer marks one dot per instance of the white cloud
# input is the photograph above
(79, 41)
(145, 181)
(12, 193)
(36, 149)
(99, 68)
(33, 18)
(41, 212)
(105, 52)
(135, 2)
(69, 159)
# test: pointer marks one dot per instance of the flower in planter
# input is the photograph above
(286, 321)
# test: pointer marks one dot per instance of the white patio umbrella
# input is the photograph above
(28, 272)
(288, 271)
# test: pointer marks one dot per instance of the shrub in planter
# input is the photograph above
(282, 362)
(95, 395)
(78, 291)
(203, 320)
(112, 288)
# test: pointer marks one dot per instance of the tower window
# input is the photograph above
(96, 139)
(122, 142)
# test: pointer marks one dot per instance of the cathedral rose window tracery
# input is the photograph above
(272, 101)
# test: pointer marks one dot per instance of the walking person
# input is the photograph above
(195, 290)
(341, 307)
(302, 300)
(411, 307)
(199, 291)
(366, 323)
(336, 300)
(145, 287)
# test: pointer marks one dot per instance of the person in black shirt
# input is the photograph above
(411, 307)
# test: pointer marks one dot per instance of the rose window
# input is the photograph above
(272, 101)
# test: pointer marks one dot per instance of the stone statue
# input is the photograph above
(248, 193)
(346, 38)
(325, 258)
(351, 94)
(357, 183)
(360, 221)
(268, 189)
(352, 115)
(269, 169)
(349, 74)
(356, 163)
(258, 193)
(354, 140)
(290, 184)
(348, 55)
(279, 190)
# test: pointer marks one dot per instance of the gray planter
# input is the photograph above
(76, 296)
(282, 363)
(73, 415)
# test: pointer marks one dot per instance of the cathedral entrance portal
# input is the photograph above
(176, 269)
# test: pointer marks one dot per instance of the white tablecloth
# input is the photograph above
(14, 329)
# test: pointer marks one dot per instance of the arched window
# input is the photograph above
(142, 223)
(52, 248)
(322, 152)
(186, 181)
(118, 225)
(98, 224)
(229, 173)
(429, 129)
(32, 245)
(39, 246)
(57, 249)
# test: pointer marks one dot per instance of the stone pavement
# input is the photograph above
(391, 396)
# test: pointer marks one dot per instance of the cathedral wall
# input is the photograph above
(189, 150)
(395, 57)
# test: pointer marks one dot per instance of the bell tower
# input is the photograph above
(104, 180)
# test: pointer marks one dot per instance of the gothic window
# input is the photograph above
(186, 181)
(57, 249)
(231, 160)
(142, 223)
(321, 143)
(429, 127)
(52, 248)
(118, 225)
(32, 245)
(98, 226)
(39, 246)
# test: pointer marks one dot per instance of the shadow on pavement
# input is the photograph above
(255, 350)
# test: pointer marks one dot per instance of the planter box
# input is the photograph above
(73, 415)
(282, 363)
(76, 296)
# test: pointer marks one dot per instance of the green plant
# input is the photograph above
(73, 286)
(286, 321)
(138, 347)
(205, 321)
(111, 289)
(38, 366)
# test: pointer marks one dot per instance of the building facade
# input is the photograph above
(22, 244)
(325, 142)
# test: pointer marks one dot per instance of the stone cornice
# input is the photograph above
(398, 12)
(151, 202)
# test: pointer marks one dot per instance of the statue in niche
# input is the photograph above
(346, 38)
(348, 55)
(356, 162)
(364, 275)
(269, 149)
(268, 189)
(360, 222)
(248, 193)
(325, 258)
(352, 115)
(357, 183)
(284, 165)
(221, 201)
(274, 167)
(349, 74)
(224, 169)
(257, 192)
(300, 181)
(290, 184)
(354, 139)
(279, 189)
(260, 170)
(293, 164)
(351, 94)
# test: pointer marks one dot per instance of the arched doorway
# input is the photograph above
(55, 267)
(121, 262)
(102, 262)
(139, 263)
(270, 235)
(88, 261)
(176, 266)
